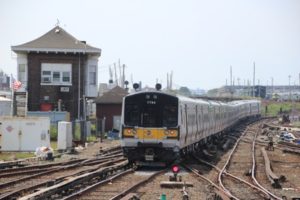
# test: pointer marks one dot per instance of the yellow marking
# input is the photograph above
(158, 134)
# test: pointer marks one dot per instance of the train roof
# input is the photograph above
(202, 101)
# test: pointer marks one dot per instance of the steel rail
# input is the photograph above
(223, 193)
(221, 172)
(253, 170)
(85, 190)
(52, 181)
(72, 181)
(12, 194)
(140, 183)
(2, 171)
(233, 176)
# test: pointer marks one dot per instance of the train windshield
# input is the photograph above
(151, 110)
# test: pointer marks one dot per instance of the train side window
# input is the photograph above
(181, 115)
(132, 115)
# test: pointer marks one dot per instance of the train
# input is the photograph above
(158, 127)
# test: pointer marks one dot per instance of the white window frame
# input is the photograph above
(22, 72)
(69, 77)
(92, 75)
(59, 69)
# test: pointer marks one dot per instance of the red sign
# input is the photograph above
(9, 128)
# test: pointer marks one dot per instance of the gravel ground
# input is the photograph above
(90, 151)
(152, 190)
(282, 163)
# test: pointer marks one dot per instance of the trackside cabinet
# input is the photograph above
(64, 137)
(24, 133)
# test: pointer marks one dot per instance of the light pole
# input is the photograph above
(290, 87)
(272, 82)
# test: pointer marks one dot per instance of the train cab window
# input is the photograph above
(170, 116)
(132, 115)
(151, 110)
(149, 117)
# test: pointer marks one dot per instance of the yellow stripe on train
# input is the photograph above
(150, 133)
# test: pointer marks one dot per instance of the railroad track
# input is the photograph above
(230, 180)
(116, 187)
(238, 167)
(54, 175)
(25, 170)
(108, 175)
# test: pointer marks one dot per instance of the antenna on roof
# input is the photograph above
(57, 22)
(57, 25)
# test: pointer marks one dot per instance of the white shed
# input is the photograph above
(24, 133)
(5, 106)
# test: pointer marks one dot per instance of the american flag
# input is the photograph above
(16, 85)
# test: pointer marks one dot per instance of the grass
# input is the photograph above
(53, 145)
(6, 156)
(296, 124)
(91, 138)
(273, 108)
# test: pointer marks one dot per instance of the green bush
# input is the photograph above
(53, 132)
(91, 138)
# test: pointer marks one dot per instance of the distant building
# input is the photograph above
(4, 81)
(57, 71)
(109, 105)
(282, 92)
(5, 106)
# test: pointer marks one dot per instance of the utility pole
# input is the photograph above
(168, 82)
(171, 80)
(230, 76)
(253, 90)
(120, 76)
(116, 77)
(290, 87)
(272, 82)
(231, 89)
(258, 82)
(78, 114)
(123, 76)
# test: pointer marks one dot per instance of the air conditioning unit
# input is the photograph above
(46, 79)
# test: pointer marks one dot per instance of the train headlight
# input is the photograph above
(129, 132)
(171, 133)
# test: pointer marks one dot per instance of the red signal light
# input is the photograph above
(175, 169)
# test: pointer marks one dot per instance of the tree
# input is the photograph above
(184, 91)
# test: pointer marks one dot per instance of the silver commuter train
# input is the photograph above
(159, 127)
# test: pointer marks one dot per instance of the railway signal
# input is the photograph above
(175, 170)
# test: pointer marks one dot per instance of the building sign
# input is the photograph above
(64, 89)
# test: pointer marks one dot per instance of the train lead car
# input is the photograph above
(160, 127)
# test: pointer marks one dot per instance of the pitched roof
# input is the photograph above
(57, 40)
(114, 96)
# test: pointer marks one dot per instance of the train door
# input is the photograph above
(209, 120)
(201, 122)
(206, 121)
(186, 123)
(197, 123)
(182, 122)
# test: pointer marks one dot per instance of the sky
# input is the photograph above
(197, 40)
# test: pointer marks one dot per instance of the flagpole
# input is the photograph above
(12, 95)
